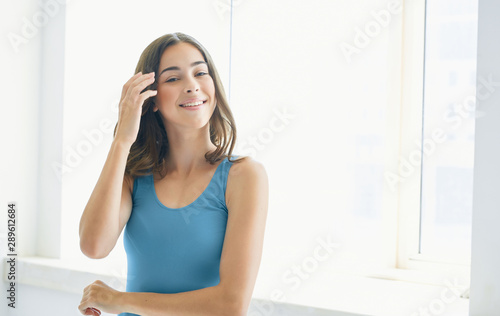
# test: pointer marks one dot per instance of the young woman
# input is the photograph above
(195, 217)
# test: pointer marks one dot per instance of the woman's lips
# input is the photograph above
(193, 108)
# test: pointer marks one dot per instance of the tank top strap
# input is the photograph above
(216, 190)
(223, 175)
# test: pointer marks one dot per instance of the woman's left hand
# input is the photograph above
(99, 297)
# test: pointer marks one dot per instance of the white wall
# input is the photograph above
(19, 90)
(485, 273)
(50, 131)
(20, 94)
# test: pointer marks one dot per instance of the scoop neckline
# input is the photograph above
(190, 204)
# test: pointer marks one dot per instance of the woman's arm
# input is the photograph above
(247, 203)
(110, 204)
(100, 224)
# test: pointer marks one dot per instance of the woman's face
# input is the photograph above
(185, 91)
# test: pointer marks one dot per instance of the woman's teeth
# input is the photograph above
(193, 103)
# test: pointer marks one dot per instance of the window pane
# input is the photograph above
(318, 123)
(449, 100)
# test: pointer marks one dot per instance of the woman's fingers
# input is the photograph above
(146, 94)
(129, 114)
(143, 80)
(139, 85)
(98, 297)
(128, 83)
(85, 310)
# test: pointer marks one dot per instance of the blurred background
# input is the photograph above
(361, 111)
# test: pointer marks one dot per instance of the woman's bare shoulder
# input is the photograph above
(243, 171)
(246, 165)
(248, 176)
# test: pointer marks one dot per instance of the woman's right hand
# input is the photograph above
(130, 108)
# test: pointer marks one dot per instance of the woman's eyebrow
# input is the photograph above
(177, 68)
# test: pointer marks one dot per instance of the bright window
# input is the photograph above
(449, 105)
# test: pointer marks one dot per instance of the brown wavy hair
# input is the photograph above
(148, 152)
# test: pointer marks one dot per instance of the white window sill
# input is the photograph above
(383, 294)
(59, 275)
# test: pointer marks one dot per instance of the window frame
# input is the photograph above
(409, 190)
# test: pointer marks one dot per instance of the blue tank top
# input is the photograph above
(175, 250)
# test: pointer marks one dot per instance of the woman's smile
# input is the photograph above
(192, 104)
(184, 82)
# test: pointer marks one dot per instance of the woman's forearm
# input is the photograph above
(210, 301)
(99, 224)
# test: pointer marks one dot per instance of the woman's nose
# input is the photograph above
(191, 86)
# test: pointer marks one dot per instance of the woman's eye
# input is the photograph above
(201, 73)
